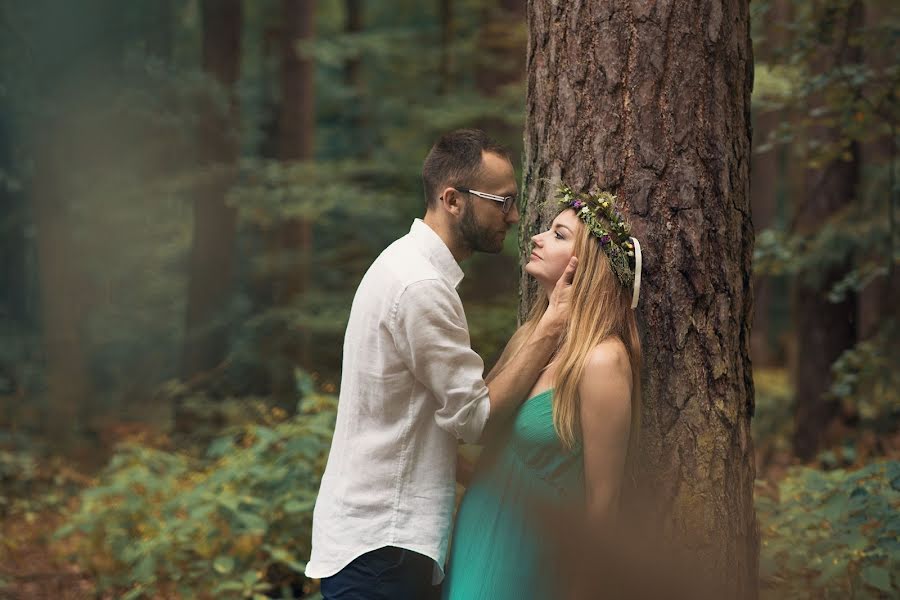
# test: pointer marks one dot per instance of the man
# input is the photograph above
(411, 385)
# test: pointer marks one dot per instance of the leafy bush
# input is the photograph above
(234, 523)
(832, 534)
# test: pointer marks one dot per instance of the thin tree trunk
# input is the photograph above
(62, 292)
(445, 13)
(212, 253)
(652, 100)
(879, 300)
(14, 246)
(295, 142)
(824, 329)
(353, 77)
(160, 36)
(766, 179)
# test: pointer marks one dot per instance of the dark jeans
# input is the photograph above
(388, 573)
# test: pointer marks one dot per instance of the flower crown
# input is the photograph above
(599, 213)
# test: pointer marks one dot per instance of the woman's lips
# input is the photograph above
(535, 256)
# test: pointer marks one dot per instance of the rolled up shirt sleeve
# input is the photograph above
(429, 331)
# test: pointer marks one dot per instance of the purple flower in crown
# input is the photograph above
(577, 204)
(605, 240)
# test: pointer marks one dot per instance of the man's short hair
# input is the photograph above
(455, 159)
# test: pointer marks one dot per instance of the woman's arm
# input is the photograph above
(605, 391)
(512, 346)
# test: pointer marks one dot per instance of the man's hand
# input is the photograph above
(557, 313)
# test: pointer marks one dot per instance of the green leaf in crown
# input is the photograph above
(599, 213)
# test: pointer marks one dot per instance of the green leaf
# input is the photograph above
(224, 565)
(250, 577)
(134, 593)
(296, 506)
(229, 586)
(877, 577)
(252, 521)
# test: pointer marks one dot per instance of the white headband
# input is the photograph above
(637, 274)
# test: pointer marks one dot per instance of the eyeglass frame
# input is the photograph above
(507, 201)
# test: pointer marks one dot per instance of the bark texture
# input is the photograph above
(651, 100)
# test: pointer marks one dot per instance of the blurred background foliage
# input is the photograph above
(190, 191)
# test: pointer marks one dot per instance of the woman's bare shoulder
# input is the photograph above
(608, 357)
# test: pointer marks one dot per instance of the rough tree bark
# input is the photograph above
(825, 329)
(651, 100)
(215, 223)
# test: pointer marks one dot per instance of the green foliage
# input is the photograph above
(18, 473)
(29, 484)
(867, 375)
(831, 534)
(229, 522)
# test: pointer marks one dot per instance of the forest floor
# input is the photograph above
(34, 565)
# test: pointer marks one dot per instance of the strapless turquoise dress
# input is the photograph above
(501, 546)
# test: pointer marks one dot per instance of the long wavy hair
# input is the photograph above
(601, 309)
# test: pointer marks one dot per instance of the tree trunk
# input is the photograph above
(500, 57)
(445, 13)
(212, 253)
(824, 329)
(14, 284)
(767, 178)
(879, 301)
(295, 142)
(651, 100)
(160, 34)
(353, 77)
(62, 292)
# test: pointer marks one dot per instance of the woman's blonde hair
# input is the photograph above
(600, 310)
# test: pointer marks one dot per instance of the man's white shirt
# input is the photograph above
(411, 386)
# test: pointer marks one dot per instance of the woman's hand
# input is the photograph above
(557, 313)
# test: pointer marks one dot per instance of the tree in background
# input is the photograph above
(212, 258)
(839, 95)
(829, 328)
(294, 236)
(608, 108)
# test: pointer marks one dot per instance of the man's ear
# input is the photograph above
(452, 201)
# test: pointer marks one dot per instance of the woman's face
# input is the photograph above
(553, 248)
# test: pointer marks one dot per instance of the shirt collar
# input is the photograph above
(437, 252)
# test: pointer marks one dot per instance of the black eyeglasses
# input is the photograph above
(507, 201)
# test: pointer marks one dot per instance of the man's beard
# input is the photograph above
(475, 237)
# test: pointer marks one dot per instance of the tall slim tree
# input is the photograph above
(296, 125)
(63, 292)
(445, 68)
(353, 78)
(212, 251)
(637, 98)
(825, 329)
(767, 178)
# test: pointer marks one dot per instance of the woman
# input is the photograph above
(570, 448)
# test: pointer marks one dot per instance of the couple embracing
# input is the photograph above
(558, 415)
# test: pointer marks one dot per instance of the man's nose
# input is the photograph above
(513, 215)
